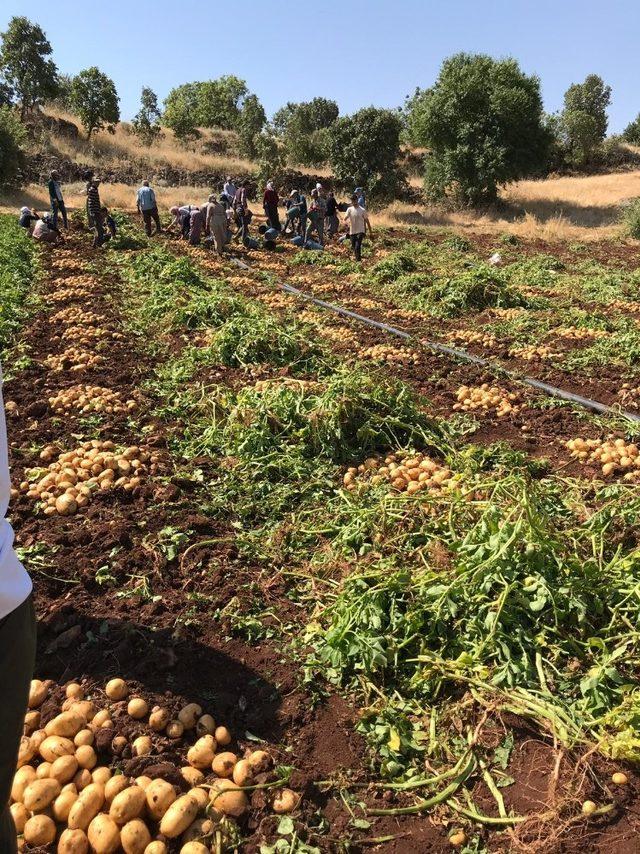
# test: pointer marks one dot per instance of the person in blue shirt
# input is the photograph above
(148, 208)
(359, 192)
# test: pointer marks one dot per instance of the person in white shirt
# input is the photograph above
(17, 648)
(358, 220)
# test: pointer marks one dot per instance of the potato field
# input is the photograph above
(307, 586)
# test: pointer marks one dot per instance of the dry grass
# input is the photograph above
(106, 150)
(567, 208)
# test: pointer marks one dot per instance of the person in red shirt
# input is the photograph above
(270, 204)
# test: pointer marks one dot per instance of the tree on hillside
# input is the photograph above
(63, 95)
(364, 150)
(250, 123)
(220, 102)
(304, 130)
(24, 65)
(181, 111)
(95, 100)
(632, 131)
(482, 122)
(584, 118)
(146, 122)
(12, 139)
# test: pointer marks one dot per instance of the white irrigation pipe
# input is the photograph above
(551, 390)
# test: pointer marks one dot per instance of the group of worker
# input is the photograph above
(218, 221)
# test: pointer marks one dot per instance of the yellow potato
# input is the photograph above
(142, 745)
(243, 773)
(88, 805)
(85, 736)
(201, 796)
(104, 835)
(63, 769)
(81, 707)
(118, 783)
(285, 800)
(179, 816)
(43, 769)
(206, 725)
(101, 775)
(156, 847)
(67, 724)
(194, 848)
(54, 746)
(74, 690)
(82, 779)
(202, 753)
(86, 756)
(20, 815)
(143, 782)
(222, 736)
(39, 794)
(26, 751)
(21, 780)
(189, 715)
(116, 689)
(137, 708)
(175, 729)
(31, 722)
(127, 805)
(39, 830)
(223, 764)
(61, 807)
(200, 828)
(227, 798)
(159, 796)
(159, 718)
(73, 842)
(37, 693)
(100, 717)
(260, 761)
(192, 775)
(135, 836)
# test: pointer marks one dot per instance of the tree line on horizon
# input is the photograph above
(482, 123)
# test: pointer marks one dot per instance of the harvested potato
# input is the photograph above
(88, 805)
(31, 722)
(143, 782)
(189, 715)
(26, 751)
(86, 756)
(54, 746)
(86, 708)
(21, 780)
(202, 753)
(127, 805)
(222, 736)
(142, 745)
(179, 816)
(159, 718)
(194, 848)
(101, 775)
(64, 769)
(159, 796)
(104, 835)
(85, 736)
(73, 842)
(137, 708)
(67, 724)
(285, 800)
(135, 836)
(74, 690)
(61, 807)
(260, 761)
(37, 738)
(37, 693)
(156, 847)
(243, 773)
(20, 815)
(223, 764)
(201, 827)
(175, 729)
(116, 689)
(118, 783)
(44, 768)
(201, 796)
(206, 725)
(192, 775)
(82, 779)
(40, 793)
(39, 830)
(100, 718)
(227, 798)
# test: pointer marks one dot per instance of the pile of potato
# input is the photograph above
(629, 394)
(533, 353)
(363, 304)
(74, 476)
(625, 305)
(410, 315)
(393, 355)
(90, 398)
(467, 336)
(87, 335)
(339, 334)
(69, 788)
(405, 471)
(578, 333)
(66, 267)
(487, 397)
(67, 294)
(277, 301)
(73, 314)
(74, 359)
(613, 455)
(507, 313)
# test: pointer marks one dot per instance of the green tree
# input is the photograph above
(269, 155)
(304, 129)
(95, 100)
(584, 118)
(24, 65)
(250, 123)
(12, 139)
(63, 95)
(364, 150)
(632, 131)
(483, 125)
(220, 102)
(181, 111)
(146, 122)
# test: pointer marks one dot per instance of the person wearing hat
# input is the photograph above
(270, 205)
(17, 648)
(56, 199)
(148, 208)
(94, 208)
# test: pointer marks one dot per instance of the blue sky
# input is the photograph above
(358, 52)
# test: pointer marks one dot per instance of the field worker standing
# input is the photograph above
(229, 190)
(331, 216)
(94, 208)
(216, 224)
(270, 204)
(358, 220)
(359, 192)
(316, 216)
(148, 208)
(56, 199)
(241, 211)
(17, 649)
